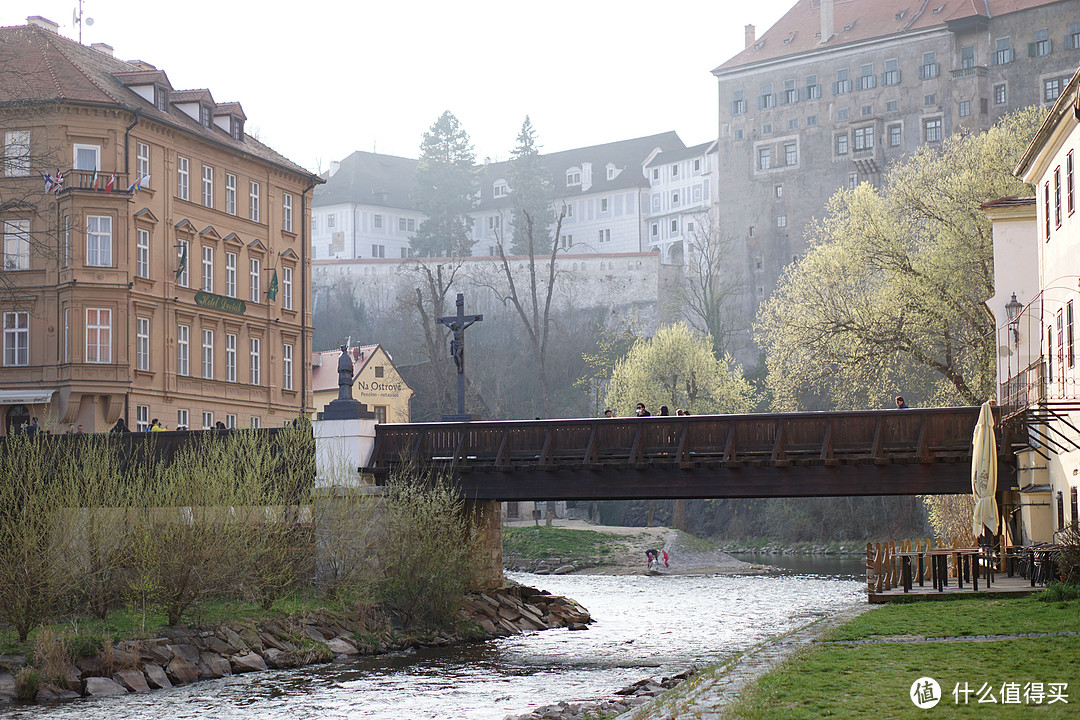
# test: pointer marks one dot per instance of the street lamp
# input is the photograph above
(1012, 310)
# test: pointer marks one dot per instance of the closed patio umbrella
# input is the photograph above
(984, 473)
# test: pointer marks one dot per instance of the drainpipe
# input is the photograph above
(127, 167)
(305, 243)
(127, 140)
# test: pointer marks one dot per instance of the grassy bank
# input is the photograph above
(580, 546)
(849, 680)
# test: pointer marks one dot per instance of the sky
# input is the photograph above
(321, 79)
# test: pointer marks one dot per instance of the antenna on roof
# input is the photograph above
(77, 20)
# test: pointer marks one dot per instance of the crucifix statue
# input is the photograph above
(457, 324)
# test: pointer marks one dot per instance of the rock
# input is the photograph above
(233, 639)
(133, 680)
(270, 641)
(12, 661)
(50, 693)
(102, 687)
(341, 647)
(247, 662)
(563, 570)
(156, 677)
(92, 666)
(252, 638)
(577, 626)
(7, 683)
(212, 665)
(314, 634)
(279, 658)
(487, 625)
(155, 655)
(220, 647)
(186, 651)
(182, 671)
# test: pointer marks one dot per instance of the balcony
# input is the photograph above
(967, 72)
(1024, 390)
(100, 181)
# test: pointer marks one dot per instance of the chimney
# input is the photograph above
(334, 167)
(102, 48)
(749, 35)
(826, 20)
(44, 23)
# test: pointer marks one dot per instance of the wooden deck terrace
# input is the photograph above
(866, 452)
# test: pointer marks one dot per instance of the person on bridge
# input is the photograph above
(607, 413)
(900, 404)
(664, 410)
(641, 411)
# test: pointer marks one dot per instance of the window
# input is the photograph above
(1057, 196)
(738, 107)
(142, 344)
(1070, 196)
(1072, 40)
(965, 108)
(254, 272)
(929, 68)
(866, 80)
(604, 204)
(16, 338)
(142, 161)
(287, 366)
(406, 224)
(999, 94)
(1041, 46)
(182, 419)
(697, 165)
(892, 106)
(182, 177)
(16, 245)
(1052, 88)
(204, 115)
(764, 158)
(230, 421)
(98, 335)
(866, 110)
(791, 153)
(1070, 356)
(182, 262)
(208, 186)
(967, 57)
(256, 423)
(573, 176)
(842, 86)
(759, 263)
(781, 221)
(66, 259)
(183, 341)
(737, 134)
(605, 236)
(1060, 344)
(87, 157)
(852, 180)
(380, 413)
(17, 153)
(142, 418)
(675, 199)
(929, 100)
(1004, 53)
(842, 144)
(67, 335)
(811, 121)
(675, 226)
(656, 230)
(378, 251)
(932, 129)
(811, 90)
(790, 94)
(207, 420)
(376, 221)
(208, 354)
(256, 361)
(253, 202)
(896, 134)
(230, 193)
(778, 190)
(286, 287)
(766, 128)
(142, 253)
(501, 189)
(230, 357)
(766, 99)
(864, 138)
(208, 269)
(1046, 208)
(842, 115)
(230, 274)
(793, 124)
(286, 212)
(891, 76)
(99, 240)
(331, 220)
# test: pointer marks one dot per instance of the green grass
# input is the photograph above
(543, 542)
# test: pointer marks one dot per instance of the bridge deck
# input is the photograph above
(871, 452)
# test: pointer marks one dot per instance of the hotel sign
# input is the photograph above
(220, 302)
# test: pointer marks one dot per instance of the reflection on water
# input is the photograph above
(851, 567)
(644, 626)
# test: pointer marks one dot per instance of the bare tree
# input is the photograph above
(712, 283)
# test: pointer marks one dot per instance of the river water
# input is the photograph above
(643, 626)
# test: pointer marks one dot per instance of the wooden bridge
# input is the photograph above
(869, 452)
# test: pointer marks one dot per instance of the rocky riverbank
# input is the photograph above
(179, 656)
(627, 698)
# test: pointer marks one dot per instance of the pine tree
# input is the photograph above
(445, 190)
(531, 190)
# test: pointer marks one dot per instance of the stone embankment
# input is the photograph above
(180, 656)
(628, 698)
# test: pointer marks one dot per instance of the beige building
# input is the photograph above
(156, 257)
(376, 382)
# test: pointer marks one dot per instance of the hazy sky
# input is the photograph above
(321, 79)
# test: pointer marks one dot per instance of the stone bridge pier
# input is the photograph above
(485, 516)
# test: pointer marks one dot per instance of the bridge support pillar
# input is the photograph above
(486, 516)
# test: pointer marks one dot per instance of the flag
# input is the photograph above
(139, 184)
(48, 181)
(93, 181)
(271, 292)
(58, 182)
(181, 266)
(110, 182)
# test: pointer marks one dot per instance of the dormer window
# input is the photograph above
(161, 98)
(204, 115)
(573, 176)
(501, 189)
(237, 129)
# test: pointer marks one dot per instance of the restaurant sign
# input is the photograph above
(220, 302)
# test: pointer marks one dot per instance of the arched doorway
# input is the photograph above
(16, 416)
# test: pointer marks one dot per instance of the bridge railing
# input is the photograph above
(913, 435)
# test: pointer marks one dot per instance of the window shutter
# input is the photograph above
(1031, 50)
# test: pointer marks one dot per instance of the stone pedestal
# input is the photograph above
(344, 438)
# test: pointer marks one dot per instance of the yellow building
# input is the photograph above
(156, 260)
(376, 382)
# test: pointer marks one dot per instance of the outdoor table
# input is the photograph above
(967, 567)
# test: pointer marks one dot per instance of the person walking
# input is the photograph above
(641, 411)
(119, 428)
(156, 426)
(900, 404)
(664, 410)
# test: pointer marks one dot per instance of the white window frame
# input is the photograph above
(16, 339)
(183, 350)
(183, 419)
(208, 186)
(183, 178)
(98, 335)
(207, 268)
(286, 212)
(142, 252)
(254, 275)
(230, 357)
(230, 274)
(142, 160)
(256, 360)
(256, 423)
(16, 245)
(208, 354)
(207, 420)
(286, 287)
(230, 193)
(142, 418)
(99, 240)
(185, 248)
(287, 366)
(95, 149)
(142, 344)
(17, 153)
(230, 421)
(254, 193)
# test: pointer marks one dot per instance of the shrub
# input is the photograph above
(1068, 559)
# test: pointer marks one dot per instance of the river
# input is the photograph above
(643, 626)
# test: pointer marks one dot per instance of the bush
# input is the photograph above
(1068, 559)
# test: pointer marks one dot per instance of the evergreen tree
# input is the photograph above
(531, 190)
(445, 190)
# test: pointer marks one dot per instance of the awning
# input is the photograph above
(26, 397)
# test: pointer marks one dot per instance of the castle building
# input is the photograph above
(156, 256)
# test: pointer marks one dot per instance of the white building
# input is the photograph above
(1040, 394)
(682, 189)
